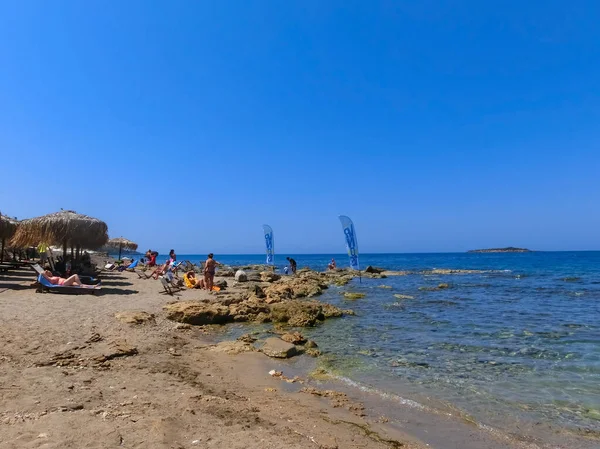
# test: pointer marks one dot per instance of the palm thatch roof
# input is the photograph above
(120, 242)
(8, 227)
(64, 228)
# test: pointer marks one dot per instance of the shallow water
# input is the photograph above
(517, 342)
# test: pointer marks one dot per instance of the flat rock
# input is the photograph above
(303, 313)
(198, 313)
(442, 286)
(233, 347)
(134, 317)
(115, 349)
(269, 276)
(399, 296)
(374, 270)
(276, 347)
(352, 295)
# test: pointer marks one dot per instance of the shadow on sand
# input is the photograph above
(116, 291)
(115, 283)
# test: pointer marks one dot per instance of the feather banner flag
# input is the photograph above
(351, 241)
(269, 242)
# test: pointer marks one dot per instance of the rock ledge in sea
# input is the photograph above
(508, 249)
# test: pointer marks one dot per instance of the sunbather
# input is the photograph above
(191, 282)
(132, 264)
(70, 281)
(160, 270)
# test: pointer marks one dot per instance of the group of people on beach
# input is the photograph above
(170, 266)
(293, 266)
(209, 270)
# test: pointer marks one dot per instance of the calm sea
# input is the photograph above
(520, 339)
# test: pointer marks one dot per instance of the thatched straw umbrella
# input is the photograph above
(8, 227)
(121, 243)
(62, 228)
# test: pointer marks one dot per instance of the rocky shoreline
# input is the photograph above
(129, 368)
(255, 294)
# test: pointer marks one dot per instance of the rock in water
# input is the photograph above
(404, 296)
(442, 286)
(313, 352)
(247, 338)
(241, 276)
(295, 338)
(350, 295)
(275, 347)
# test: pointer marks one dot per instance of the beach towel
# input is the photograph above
(188, 282)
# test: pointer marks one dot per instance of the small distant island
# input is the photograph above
(508, 249)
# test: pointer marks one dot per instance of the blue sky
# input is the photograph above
(435, 125)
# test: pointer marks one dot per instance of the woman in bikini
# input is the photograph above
(210, 266)
(72, 281)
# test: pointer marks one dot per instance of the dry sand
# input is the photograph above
(74, 376)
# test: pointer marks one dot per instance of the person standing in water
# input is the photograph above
(292, 264)
(210, 266)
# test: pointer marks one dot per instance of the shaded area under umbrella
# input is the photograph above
(8, 227)
(62, 228)
(122, 243)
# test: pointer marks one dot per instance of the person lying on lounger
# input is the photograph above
(72, 281)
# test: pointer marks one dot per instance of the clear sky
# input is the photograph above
(435, 125)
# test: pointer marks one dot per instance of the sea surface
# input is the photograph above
(516, 343)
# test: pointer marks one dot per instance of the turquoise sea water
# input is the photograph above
(520, 339)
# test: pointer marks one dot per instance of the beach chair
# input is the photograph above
(142, 274)
(46, 286)
(170, 287)
(131, 266)
(175, 267)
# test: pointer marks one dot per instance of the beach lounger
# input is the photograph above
(46, 286)
(88, 280)
(132, 266)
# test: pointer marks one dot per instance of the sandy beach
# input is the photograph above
(76, 374)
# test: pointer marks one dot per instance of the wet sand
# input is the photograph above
(75, 376)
